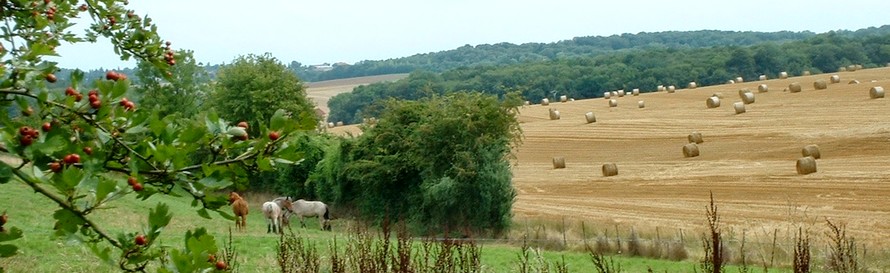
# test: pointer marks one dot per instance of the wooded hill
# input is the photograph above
(644, 66)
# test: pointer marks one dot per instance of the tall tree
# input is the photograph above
(254, 86)
(181, 91)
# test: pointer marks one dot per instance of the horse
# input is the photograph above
(239, 207)
(318, 209)
(273, 215)
(287, 207)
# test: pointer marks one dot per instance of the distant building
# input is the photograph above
(321, 67)
(321, 113)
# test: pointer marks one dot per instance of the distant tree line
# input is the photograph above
(507, 53)
(589, 77)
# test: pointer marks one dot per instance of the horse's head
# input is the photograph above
(233, 196)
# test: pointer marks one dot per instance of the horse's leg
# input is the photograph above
(302, 222)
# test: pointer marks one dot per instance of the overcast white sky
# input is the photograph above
(319, 31)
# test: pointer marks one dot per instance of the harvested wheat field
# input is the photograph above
(321, 92)
(747, 160)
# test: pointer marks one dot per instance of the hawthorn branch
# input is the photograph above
(65, 205)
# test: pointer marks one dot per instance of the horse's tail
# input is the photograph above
(327, 213)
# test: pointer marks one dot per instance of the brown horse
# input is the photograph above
(239, 207)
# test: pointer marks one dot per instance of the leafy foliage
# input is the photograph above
(183, 91)
(78, 152)
(426, 160)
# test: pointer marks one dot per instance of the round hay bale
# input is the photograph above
(888, 65)
(820, 84)
(730, 82)
(331, 125)
(526, 103)
(661, 87)
(835, 79)
(691, 85)
(858, 67)
(607, 95)
(610, 169)
(635, 92)
(641, 104)
(559, 162)
(690, 150)
(545, 102)
(748, 98)
(590, 117)
(811, 150)
(563, 98)
(853, 82)
(739, 107)
(718, 94)
(695, 137)
(842, 69)
(806, 165)
(713, 102)
(806, 73)
(739, 80)
(783, 75)
(743, 91)
(554, 114)
(339, 123)
(571, 99)
(794, 87)
(763, 88)
(876, 92)
(762, 77)
(621, 93)
(852, 67)
(613, 103)
(671, 89)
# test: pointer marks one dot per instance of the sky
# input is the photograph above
(329, 31)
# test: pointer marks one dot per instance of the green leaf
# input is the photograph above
(264, 164)
(13, 234)
(203, 213)
(137, 129)
(66, 222)
(192, 134)
(104, 253)
(8, 251)
(157, 126)
(105, 187)
(226, 215)
(76, 77)
(213, 182)
(278, 120)
(159, 217)
(5, 173)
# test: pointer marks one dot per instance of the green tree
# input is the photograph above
(254, 86)
(85, 150)
(182, 91)
(426, 160)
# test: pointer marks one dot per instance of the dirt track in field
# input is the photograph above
(747, 160)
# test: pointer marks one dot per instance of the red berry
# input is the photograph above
(211, 258)
(112, 75)
(140, 240)
(26, 140)
(70, 91)
(93, 92)
(137, 187)
(274, 135)
(123, 102)
(78, 97)
(221, 265)
(243, 124)
(93, 97)
(243, 137)
(96, 104)
(130, 105)
(71, 159)
(25, 130)
(47, 126)
(83, 7)
(132, 181)
(88, 150)
(46, 2)
(34, 133)
(55, 167)
(51, 77)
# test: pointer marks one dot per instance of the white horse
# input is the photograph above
(287, 208)
(318, 209)
(273, 215)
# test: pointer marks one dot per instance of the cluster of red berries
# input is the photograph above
(115, 76)
(51, 12)
(73, 93)
(134, 183)
(27, 135)
(83, 7)
(127, 104)
(168, 54)
(93, 96)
